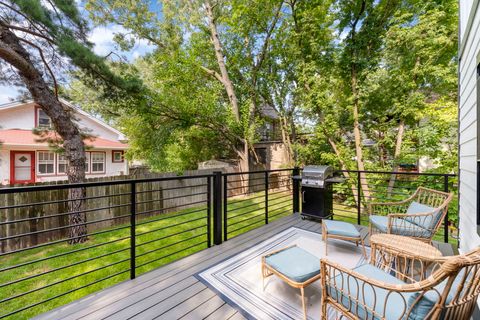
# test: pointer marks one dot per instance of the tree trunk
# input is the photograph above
(344, 168)
(286, 139)
(396, 155)
(242, 152)
(358, 137)
(15, 54)
(356, 106)
(244, 166)
(227, 83)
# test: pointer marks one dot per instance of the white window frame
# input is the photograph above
(92, 153)
(87, 162)
(38, 120)
(59, 162)
(39, 162)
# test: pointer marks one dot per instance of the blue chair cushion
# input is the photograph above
(385, 304)
(340, 228)
(400, 226)
(426, 222)
(428, 301)
(295, 263)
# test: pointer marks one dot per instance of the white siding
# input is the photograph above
(18, 118)
(4, 166)
(94, 128)
(23, 117)
(465, 8)
(468, 125)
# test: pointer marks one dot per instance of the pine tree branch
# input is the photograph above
(33, 33)
(40, 51)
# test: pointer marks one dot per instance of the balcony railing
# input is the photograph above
(135, 226)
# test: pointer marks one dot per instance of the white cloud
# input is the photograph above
(102, 37)
(7, 93)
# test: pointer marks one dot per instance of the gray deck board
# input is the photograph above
(224, 312)
(172, 291)
(205, 309)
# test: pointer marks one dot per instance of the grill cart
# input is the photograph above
(317, 193)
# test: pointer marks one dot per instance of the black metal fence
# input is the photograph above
(135, 226)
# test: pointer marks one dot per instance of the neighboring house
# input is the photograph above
(25, 157)
(271, 152)
(469, 128)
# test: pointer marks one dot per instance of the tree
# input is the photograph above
(36, 40)
(222, 45)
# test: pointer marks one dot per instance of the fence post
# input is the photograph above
(266, 197)
(133, 212)
(225, 208)
(217, 207)
(445, 221)
(209, 211)
(359, 199)
(296, 190)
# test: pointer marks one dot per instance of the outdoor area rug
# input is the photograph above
(238, 279)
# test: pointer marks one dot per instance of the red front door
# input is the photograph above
(22, 166)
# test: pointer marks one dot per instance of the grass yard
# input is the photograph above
(104, 260)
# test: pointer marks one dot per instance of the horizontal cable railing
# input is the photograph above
(133, 226)
(249, 199)
(129, 227)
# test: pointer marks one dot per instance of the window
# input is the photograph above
(117, 156)
(98, 162)
(61, 164)
(43, 121)
(87, 162)
(46, 163)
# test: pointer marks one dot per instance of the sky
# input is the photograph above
(102, 37)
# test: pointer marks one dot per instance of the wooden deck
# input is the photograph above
(172, 291)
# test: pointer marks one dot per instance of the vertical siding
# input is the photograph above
(468, 125)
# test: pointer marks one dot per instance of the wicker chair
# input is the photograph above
(418, 217)
(377, 291)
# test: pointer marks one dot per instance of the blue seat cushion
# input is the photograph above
(400, 226)
(341, 228)
(428, 301)
(426, 222)
(295, 263)
(385, 304)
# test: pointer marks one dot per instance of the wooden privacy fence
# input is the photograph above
(106, 206)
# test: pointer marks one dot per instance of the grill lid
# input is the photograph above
(316, 175)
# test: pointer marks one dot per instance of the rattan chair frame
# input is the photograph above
(268, 271)
(357, 240)
(446, 269)
(399, 220)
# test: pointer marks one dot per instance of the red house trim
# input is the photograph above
(113, 156)
(12, 167)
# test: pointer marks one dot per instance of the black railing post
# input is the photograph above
(296, 190)
(266, 197)
(133, 213)
(359, 198)
(217, 207)
(225, 208)
(209, 211)
(445, 221)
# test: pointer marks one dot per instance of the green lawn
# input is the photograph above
(159, 242)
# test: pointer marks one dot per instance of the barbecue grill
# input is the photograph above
(317, 195)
